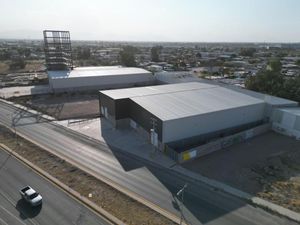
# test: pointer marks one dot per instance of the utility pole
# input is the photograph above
(14, 123)
(178, 194)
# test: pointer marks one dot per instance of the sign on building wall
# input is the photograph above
(189, 155)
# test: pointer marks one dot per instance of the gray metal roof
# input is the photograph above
(169, 106)
(154, 90)
(295, 111)
(269, 99)
(96, 71)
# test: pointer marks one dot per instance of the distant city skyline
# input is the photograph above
(154, 20)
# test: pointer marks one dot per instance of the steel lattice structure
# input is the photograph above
(58, 50)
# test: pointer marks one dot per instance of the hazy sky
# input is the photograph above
(155, 20)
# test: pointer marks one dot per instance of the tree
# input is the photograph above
(198, 55)
(18, 63)
(292, 89)
(84, 53)
(266, 81)
(233, 55)
(127, 56)
(247, 52)
(4, 54)
(275, 64)
(155, 51)
(226, 71)
(27, 52)
(274, 83)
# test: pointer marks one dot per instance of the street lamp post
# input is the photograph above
(13, 123)
(181, 193)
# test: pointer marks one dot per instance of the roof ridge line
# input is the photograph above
(193, 89)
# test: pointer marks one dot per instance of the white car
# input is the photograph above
(31, 196)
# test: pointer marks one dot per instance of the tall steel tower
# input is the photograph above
(58, 50)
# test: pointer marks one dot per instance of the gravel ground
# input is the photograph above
(267, 166)
(63, 106)
(126, 209)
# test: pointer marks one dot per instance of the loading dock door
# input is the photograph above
(154, 137)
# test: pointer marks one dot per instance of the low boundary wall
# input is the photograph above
(222, 143)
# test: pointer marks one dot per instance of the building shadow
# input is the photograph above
(26, 211)
(202, 204)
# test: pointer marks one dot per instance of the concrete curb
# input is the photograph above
(276, 208)
(256, 201)
(194, 176)
(112, 219)
(112, 184)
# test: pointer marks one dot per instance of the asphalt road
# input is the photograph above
(202, 205)
(57, 208)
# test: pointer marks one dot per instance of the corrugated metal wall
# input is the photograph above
(100, 82)
(105, 101)
(144, 118)
(206, 123)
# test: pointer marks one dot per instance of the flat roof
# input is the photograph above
(269, 99)
(295, 111)
(189, 103)
(154, 90)
(96, 71)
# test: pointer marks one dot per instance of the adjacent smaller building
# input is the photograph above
(287, 121)
(96, 78)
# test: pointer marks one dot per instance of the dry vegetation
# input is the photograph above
(280, 178)
(4, 68)
(63, 106)
(31, 65)
(267, 166)
(113, 201)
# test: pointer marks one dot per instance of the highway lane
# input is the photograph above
(57, 208)
(202, 204)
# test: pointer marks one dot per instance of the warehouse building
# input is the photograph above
(96, 78)
(182, 115)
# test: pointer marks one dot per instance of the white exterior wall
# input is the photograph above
(221, 143)
(178, 129)
(287, 122)
(100, 81)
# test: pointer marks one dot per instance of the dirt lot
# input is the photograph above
(31, 65)
(267, 166)
(64, 106)
(4, 68)
(113, 201)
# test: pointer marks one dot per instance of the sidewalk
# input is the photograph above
(123, 139)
